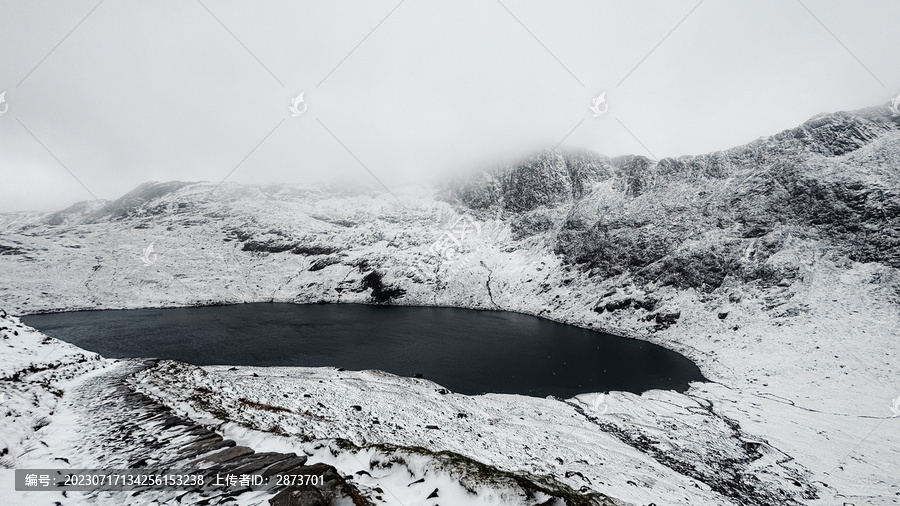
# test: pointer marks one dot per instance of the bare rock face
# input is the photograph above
(334, 490)
(545, 179)
(637, 174)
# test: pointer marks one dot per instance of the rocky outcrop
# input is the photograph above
(136, 432)
(693, 221)
(545, 179)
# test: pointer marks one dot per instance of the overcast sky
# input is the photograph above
(119, 92)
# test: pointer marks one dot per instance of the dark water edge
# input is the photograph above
(468, 351)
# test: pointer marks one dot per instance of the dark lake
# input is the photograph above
(467, 351)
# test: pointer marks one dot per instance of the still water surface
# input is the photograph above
(467, 351)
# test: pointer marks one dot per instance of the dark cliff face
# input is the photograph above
(829, 135)
(637, 174)
(694, 221)
(547, 178)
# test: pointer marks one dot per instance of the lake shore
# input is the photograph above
(469, 352)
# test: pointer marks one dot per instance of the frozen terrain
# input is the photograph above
(773, 266)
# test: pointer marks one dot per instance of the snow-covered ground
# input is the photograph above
(799, 404)
(800, 408)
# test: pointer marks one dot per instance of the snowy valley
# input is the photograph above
(774, 266)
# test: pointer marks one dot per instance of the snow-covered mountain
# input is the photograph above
(773, 265)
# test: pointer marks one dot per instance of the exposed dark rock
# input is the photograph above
(665, 320)
(226, 455)
(618, 304)
(636, 173)
(547, 178)
(145, 429)
(314, 249)
(265, 247)
(727, 470)
(278, 242)
(205, 446)
(649, 304)
(256, 462)
(381, 292)
(294, 496)
(324, 262)
(608, 252)
(703, 269)
(284, 465)
(531, 223)
(11, 250)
